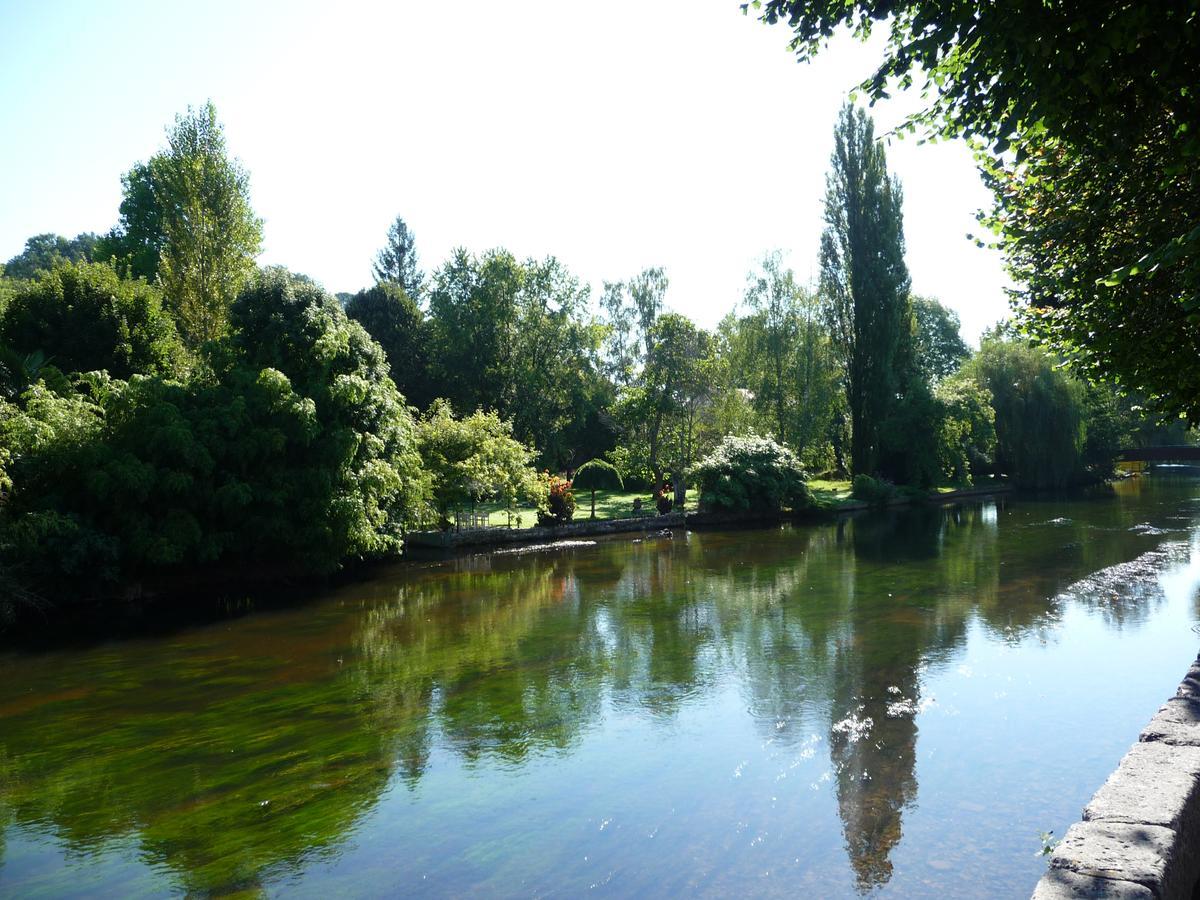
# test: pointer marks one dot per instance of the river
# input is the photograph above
(898, 704)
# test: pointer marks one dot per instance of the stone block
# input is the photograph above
(1155, 784)
(1143, 854)
(1189, 688)
(1176, 722)
(1063, 884)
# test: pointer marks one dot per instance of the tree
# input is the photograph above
(186, 217)
(472, 459)
(967, 443)
(395, 320)
(516, 338)
(631, 309)
(659, 412)
(597, 475)
(1082, 117)
(940, 349)
(44, 251)
(295, 451)
(865, 283)
(473, 312)
(772, 297)
(785, 359)
(135, 244)
(397, 261)
(1039, 413)
(83, 317)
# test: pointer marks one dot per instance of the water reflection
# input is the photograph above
(252, 753)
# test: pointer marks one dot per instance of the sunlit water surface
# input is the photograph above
(896, 704)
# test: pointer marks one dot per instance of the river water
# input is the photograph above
(897, 704)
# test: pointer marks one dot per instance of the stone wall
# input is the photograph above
(1140, 834)
(474, 537)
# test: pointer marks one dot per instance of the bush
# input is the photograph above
(83, 317)
(876, 491)
(558, 505)
(751, 474)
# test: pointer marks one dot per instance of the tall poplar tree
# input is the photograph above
(865, 283)
(210, 233)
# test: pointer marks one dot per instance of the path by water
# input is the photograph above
(895, 705)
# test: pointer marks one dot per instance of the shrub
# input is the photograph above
(751, 474)
(876, 491)
(558, 505)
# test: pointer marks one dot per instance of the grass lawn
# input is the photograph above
(838, 491)
(833, 490)
(609, 505)
(619, 504)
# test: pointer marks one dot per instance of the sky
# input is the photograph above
(613, 136)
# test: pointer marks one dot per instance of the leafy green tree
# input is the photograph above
(1083, 117)
(558, 392)
(659, 412)
(44, 251)
(1039, 413)
(186, 218)
(517, 338)
(751, 474)
(1111, 427)
(967, 442)
(397, 261)
(396, 322)
(473, 459)
(631, 308)
(772, 296)
(597, 475)
(298, 452)
(940, 349)
(784, 357)
(136, 242)
(83, 317)
(865, 284)
(473, 311)
(212, 235)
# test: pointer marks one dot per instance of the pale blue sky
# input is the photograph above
(614, 136)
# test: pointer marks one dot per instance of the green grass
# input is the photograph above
(619, 504)
(838, 491)
(609, 505)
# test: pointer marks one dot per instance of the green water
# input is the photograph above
(896, 704)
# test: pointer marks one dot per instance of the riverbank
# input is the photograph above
(497, 536)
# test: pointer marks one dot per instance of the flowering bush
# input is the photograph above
(751, 474)
(558, 503)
